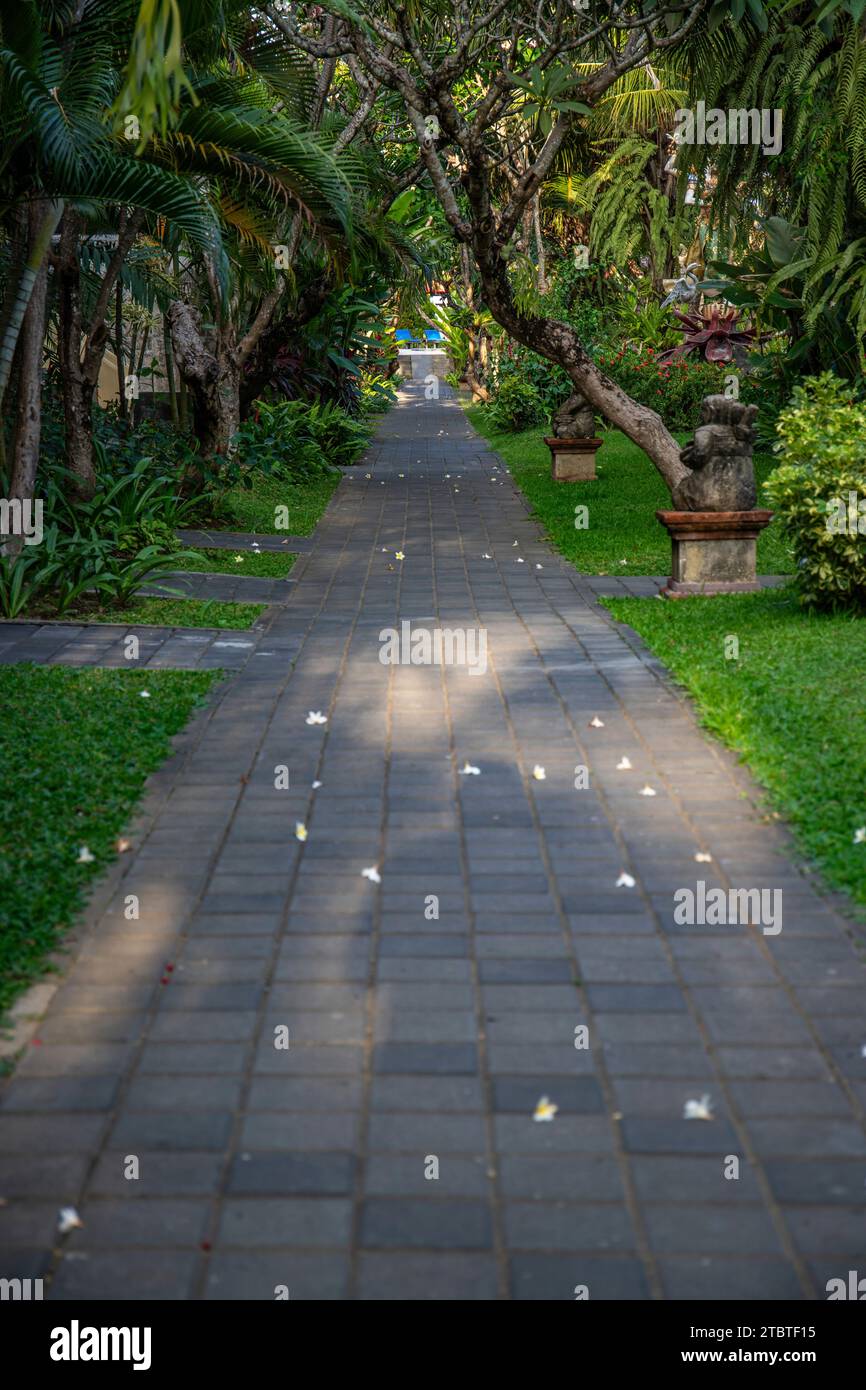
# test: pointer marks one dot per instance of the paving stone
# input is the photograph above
(317, 1174)
(555, 1277)
(431, 1225)
(428, 1277)
(307, 1277)
(125, 1275)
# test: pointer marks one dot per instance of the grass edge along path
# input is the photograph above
(623, 536)
(789, 703)
(77, 746)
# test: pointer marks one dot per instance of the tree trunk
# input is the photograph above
(212, 379)
(28, 423)
(559, 343)
(43, 219)
(77, 392)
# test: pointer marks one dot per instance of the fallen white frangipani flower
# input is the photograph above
(398, 555)
(625, 881)
(520, 561)
(316, 785)
(624, 764)
(860, 835)
(239, 559)
(68, 1220)
(485, 556)
(513, 543)
(539, 773)
(647, 790)
(300, 831)
(539, 567)
(315, 716)
(144, 694)
(85, 856)
(698, 1109)
(122, 846)
(702, 858)
(372, 874)
(467, 770)
(596, 723)
(545, 1109)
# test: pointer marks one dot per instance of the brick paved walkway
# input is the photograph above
(416, 1038)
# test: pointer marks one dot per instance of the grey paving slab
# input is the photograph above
(337, 1089)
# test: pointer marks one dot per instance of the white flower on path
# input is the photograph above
(698, 1109)
(513, 543)
(467, 770)
(624, 764)
(520, 561)
(398, 555)
(85, 856)
(68, 1220)
(122, 846)
(860, 835)
(539, 773)
(315, 716)
(625, 881)
(647, 790)
(300, 831)
(702, 858)
(545, 1109)
(539, 567)
(596, 723)
(372, 874)
(485, 556)
(316, 785)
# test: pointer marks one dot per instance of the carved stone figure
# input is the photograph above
(575, 418)
(720, 457)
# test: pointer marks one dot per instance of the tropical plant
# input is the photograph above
(819, 490)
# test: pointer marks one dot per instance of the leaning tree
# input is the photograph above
(459, 68)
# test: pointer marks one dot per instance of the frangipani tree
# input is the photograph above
(461, 71)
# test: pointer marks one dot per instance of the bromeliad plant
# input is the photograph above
(713, 333)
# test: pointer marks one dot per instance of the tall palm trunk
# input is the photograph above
(28, 419)
(43, 219)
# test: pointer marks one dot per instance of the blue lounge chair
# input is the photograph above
(432, 335)
(405, 338)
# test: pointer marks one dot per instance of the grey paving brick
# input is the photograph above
(427, 1278)
(291, 1222)
(125, 1275)
(406, 1223)
(317, 1174)
(306, 1277)
(555, 1277)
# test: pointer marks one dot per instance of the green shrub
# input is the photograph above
(516, 405)
(819, 490)
(297, 441)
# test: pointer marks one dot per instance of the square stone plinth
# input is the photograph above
(713, 552)
(573, 460)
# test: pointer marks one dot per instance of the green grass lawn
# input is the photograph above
(264, 564)
(791, 704)
(254, 509)
(161, 612)
(76, 747)
(622, 504)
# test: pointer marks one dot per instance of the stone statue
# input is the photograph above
(575, 418)
(720, 457)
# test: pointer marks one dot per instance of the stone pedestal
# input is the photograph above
(573, 460)
(713, 552)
